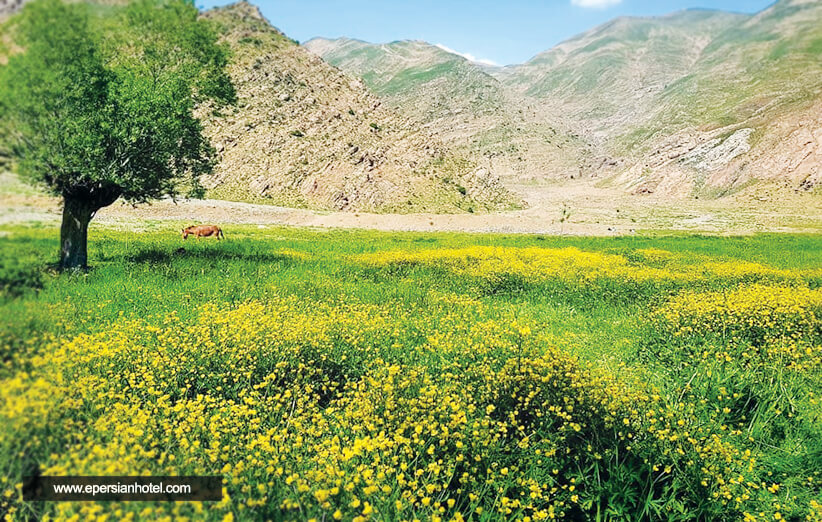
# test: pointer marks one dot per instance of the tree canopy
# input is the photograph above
(99, 104)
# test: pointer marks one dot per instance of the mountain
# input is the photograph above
(696, 103)
(607, 79)
(468, 108)
(416, 73)
(749, 110)
(304, 134)
(771, 59)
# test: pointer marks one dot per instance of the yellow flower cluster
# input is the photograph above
(655, 255)
(448, 409)
(749, 360)
(755, 313)
(315, 410)
(573, 264)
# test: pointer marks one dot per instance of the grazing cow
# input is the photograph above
(199, 231)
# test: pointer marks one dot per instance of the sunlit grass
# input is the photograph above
(345, 374)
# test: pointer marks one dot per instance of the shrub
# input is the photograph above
(755, 314)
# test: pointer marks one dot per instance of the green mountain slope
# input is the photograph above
(608, 78)
(771, 61)
(437, 82)
(462, 103)
(750, 109)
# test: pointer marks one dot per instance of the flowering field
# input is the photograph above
(373, 376)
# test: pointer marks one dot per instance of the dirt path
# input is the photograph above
(592, 211)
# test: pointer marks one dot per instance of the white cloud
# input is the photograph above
(469, 57)
(596, 4)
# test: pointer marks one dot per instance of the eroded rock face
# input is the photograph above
(718, 152)
(797, 155)
(786, 153)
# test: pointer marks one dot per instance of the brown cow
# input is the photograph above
(199, 231)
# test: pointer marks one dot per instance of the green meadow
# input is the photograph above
(342, 375)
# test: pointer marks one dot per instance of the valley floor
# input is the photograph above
(590, 210)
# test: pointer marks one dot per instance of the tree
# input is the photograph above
(100, 104)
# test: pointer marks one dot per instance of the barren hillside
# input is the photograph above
(304, 134)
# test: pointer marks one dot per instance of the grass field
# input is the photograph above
(385, 376)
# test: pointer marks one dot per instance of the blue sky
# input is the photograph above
(501, 31)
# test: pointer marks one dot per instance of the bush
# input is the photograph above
(755, 314)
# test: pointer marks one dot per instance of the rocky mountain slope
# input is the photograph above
(304, 134)
(459, 101)
(750, 110)
(698, 103)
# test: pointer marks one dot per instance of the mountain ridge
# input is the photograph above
(467, 107)
(694, 102)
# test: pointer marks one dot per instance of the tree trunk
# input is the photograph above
(77, 213)
(80, 203)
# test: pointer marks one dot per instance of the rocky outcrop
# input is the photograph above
(785, 151)
(796, 156)
(718, 152)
